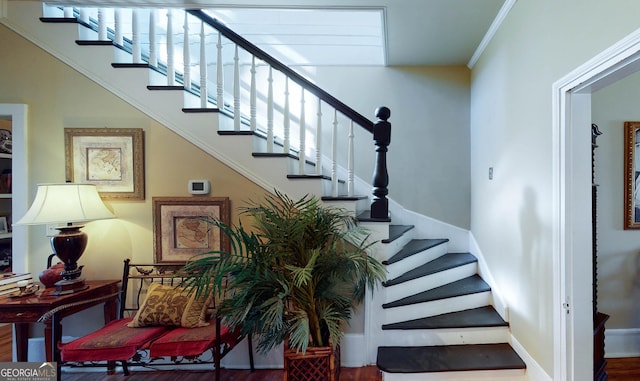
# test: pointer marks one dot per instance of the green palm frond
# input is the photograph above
(296, 275)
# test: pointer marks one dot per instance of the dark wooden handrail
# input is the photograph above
(347, 111)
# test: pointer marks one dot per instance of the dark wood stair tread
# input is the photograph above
(413, 247)
(366, 217)
(467, 286)
(95, 42)
(396, 231)
(343, 198)
(445, 262)
(475, 317)
(200, 110)
(448, 358)
(122, 65)
(166, 87)
(236, 133)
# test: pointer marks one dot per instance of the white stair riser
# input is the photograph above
(448, 336)
(353, 207)
(398, 268)
(485, 375)
(437, 307)
(397, 244)
(430, 281)
(87, 34)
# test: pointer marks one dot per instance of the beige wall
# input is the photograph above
(511, 130)
(60, 97)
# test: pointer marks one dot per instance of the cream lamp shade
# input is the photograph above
(65, 204)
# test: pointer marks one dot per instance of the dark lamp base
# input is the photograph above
(69, 286)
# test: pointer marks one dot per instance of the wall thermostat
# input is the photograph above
(199, 186)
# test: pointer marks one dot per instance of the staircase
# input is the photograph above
(433, 317)
(439, 320)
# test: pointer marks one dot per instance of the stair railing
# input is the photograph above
(237, 70)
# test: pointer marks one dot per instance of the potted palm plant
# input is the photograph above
(297, 274)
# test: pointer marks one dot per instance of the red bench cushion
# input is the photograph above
(114, 341)
(191, 341)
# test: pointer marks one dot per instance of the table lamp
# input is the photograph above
(66, 204)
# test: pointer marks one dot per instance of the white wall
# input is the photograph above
(428, 158)
(511, 130)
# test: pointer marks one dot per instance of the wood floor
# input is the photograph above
(369, 373)
(622, 369)
(5, 343)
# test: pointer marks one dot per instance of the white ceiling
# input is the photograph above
(418, 32)
(316, 37)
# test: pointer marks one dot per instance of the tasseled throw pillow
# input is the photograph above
(171, 306)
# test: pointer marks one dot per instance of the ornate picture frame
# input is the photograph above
(179, 229)
(110, 158)
(631, 175)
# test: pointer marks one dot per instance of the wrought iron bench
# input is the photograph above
(156, 322)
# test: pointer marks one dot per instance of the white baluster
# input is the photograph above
(102, 25)
(153, 44)
(287, 118)
(220, 74)
(270, 112)
(236, 91)
(319, 139)
(302, 156)
(135, 29)
(171, 70)
(350, 162)
(68, 12)
(186, 54)
(252, 101)
(84, 15)
(203, 67)
(117, 18)
(334, 155)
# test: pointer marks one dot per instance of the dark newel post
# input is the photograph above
(382, 138)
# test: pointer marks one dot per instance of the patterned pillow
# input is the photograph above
(166, 305)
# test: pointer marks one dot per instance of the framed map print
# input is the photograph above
(110, 158)
(632, 175)
(180, 229)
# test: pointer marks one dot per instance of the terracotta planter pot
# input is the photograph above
(317, 364)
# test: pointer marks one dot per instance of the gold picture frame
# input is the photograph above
(110, 158)
(631, 175)
(179, 229)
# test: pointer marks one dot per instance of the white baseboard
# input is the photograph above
(534, 370)
(622, 342)
(352, 352)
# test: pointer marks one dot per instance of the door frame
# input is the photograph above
(572, 275)
(19, 181)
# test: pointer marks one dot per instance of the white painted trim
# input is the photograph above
(352, 353)
(493, 29)
(534, 370)
(608, 66)
(19, 182)
(622, 342)
(499, 304)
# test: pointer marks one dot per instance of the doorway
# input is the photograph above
(573, 324)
